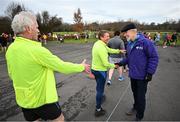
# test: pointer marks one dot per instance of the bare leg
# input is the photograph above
(111, 71)
(45, 42)
(1, 48)
(164, 44)
(60, 118)
(120, 71)
(5, 48)
(38, 120)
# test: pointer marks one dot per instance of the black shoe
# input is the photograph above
(131, 112)
(100, 113)
(137, 119)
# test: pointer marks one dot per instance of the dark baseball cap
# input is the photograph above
(128, 27)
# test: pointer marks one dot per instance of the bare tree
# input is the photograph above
(78, 16)
(5, 25)
(45, 17)
(48, 23)
(78, 26)
(14, 8)
(55, 23)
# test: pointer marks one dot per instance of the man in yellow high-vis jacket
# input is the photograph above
(100, 65)
(31, 67)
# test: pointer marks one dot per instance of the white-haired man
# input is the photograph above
(142, 59)
(31, 68)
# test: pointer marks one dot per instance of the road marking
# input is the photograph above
(118, 102)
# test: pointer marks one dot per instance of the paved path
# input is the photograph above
(77, 92)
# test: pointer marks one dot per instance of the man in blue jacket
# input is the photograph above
(142, 60)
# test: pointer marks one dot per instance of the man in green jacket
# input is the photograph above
(100, 65)
(31, 67)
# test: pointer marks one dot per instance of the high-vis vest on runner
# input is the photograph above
(31, 67)
(100, 56)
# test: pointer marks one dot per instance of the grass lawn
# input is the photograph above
(177, 44)
(91, 40)
(80, 41)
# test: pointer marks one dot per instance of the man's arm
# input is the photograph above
(47, 59)
(115, 51)
(153, 60)
(104, 58)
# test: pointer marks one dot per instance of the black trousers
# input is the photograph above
(139, 88)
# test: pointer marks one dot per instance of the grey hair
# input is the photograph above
(135, 30)
(22, 20)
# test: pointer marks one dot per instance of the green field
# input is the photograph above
(63, 33)
(178, 42)
(93, 39)
(72, 32)
(80, 41)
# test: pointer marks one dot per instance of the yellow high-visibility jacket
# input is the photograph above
(31, 67)
(100, 56)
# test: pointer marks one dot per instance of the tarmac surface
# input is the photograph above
(77, 92)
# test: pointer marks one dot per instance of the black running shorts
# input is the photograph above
(46, 112)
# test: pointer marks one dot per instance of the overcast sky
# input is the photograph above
(157, 11)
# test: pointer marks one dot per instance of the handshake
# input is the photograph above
(117, 65)
(148, 76)
(87, 69)
(123, 51)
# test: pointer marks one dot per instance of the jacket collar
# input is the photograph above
(25, 40)
(101, 42)
(138, 41)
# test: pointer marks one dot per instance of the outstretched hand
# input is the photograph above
(91, 76)
(86, 66)
(123, 51)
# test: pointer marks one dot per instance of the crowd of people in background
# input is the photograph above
(167, 39)
(5, 40)
(61, 37)
(42, 38)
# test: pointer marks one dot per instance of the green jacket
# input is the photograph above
(31, 67)
(100, 56)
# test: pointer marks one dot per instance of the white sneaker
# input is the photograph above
(164, 46)
(109, 82)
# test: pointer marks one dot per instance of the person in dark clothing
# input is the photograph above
(0, 42)
(142, 60)
(4, 42)
(168, 38)
(115, 43)
(125, 67)
(174, 39)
